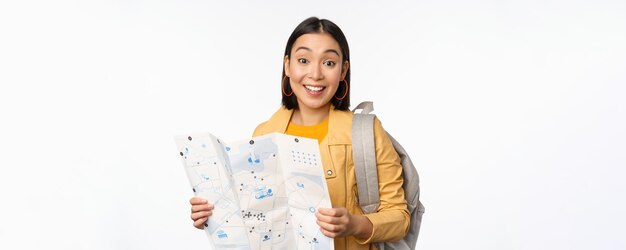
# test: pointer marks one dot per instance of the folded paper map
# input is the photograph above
(265, 190)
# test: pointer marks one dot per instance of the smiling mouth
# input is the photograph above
(314, 88)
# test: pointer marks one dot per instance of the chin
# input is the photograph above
(313, 104)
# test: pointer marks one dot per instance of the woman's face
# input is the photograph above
(315, 70)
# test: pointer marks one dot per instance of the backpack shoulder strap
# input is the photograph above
(364, 156)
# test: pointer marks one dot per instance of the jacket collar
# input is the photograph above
(339, 124)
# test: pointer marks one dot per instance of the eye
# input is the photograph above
(302, 60)
(329, 63)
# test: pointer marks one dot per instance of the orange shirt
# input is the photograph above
(317, 131)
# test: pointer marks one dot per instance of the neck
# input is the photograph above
(308, 117)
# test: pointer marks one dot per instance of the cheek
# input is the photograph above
(297, 74)
(334, 76)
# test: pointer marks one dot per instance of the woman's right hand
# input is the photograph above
(200, 211)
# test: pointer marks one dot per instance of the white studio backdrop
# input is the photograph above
(513, 111)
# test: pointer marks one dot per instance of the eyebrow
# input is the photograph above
(327, 51)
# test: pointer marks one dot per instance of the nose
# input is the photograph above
(316, 72)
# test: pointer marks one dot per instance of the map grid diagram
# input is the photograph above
(266, 190)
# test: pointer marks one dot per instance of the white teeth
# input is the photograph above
(314, 88)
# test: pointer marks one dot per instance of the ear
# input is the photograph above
(344, 69)
(286, 65)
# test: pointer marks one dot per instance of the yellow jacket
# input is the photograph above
(391, 221)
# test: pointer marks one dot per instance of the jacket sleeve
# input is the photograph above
(391, 221)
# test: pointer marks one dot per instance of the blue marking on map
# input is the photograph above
(265, 146)
(318, 180)
(221, 234)
(256, 161)
(266, 237)
(262, 192)
(312, 209)
(242, 161)
(239, 163)
(227, 148)
(300, 185)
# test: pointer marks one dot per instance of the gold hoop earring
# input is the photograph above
(344, 94)
(283, 87)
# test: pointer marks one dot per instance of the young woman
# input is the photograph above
(315, 104)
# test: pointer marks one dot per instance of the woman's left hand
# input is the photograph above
(338, 222)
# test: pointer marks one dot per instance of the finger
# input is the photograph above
(325, 211)
(201, 215)
(200, 224)
(328, 233)
(198, 208)
(336, 212)
(328, 219)
(331, 227)
(203, 207)
(197, 201)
